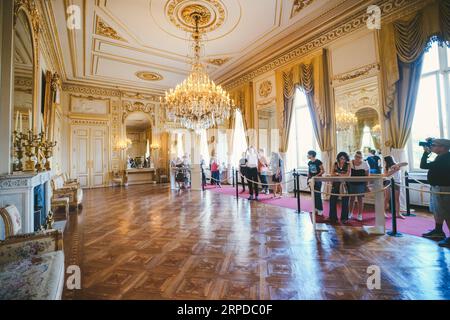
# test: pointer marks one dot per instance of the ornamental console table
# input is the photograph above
(141, 176)
(30, 193)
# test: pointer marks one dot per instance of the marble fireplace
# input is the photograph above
(31, 194)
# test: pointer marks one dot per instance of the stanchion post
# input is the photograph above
(297, 179)
(408, 203)
(311, 185)
(232, 170)
(294, 174)
(236, 174)
(393, 232)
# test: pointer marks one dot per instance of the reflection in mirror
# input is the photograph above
(358, 131)
(23, 75)
(139, 140)
(267, 130)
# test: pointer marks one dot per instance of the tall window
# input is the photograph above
(180, 145)
(301, 134)
(239, 140)
(222, 147)
(433, 102)
(204, 151)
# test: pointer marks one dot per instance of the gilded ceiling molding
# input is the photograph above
(103, 29)
(140, 96)
(23, 82)
(265, 88)
(91, 90)
(299, 5)
(218, 61)
(354, 74)
(266, 102)
(93, 122)
(212, 14)
(149, 76)
(99, 91)
(388, 9)
(32, 12)
(130, 107)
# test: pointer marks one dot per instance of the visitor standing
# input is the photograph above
(252, 172)
(263, 169)
(358, 168)
(315, 169)
(276, 167)
(341, 168)
(439, 179)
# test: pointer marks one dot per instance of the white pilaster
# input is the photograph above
(6, 84)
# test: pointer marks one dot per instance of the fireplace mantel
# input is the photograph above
(18, 190)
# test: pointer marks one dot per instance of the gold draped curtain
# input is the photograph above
(402, 44)
(243, 99)
(311, 75)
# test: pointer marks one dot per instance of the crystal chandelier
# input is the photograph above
(197, 103)
(376, 130)
(345, 120)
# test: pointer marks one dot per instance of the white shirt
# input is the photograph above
(252, 160)
(363, 166)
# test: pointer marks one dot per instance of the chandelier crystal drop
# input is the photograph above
(345, 120)
(197, 103)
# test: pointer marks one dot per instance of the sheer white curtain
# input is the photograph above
(204, 151)
(301, 135)
(239, 140)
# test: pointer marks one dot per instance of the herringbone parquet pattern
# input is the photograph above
(147, 242)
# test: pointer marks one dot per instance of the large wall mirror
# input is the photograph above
(139, 141)
(358, 124)
(23, 74)
(267, 130)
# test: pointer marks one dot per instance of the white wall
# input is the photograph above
(353, 52)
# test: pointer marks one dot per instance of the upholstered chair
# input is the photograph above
(31, 265)
(72, 191)
(119, 177)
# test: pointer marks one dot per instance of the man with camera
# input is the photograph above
(439, 179)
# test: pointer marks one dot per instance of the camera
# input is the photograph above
(427, 143)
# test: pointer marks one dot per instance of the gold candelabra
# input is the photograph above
(19, 137)
(35, 147)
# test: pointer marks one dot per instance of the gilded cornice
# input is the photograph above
(93, 91)
(103, 29)
(31, 9)
(99, 91)
(357, 73)
(80, 121)
(389, 10)
(299, 5)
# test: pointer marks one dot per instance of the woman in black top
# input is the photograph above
(341, 168)
(315, 169)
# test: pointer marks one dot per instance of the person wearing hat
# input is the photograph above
(439, 179)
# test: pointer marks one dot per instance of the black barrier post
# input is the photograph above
(297, 178)
(294, 174)
(237, 184)
(393, 232)
(408, 204)
(232, 170)
(203, 180)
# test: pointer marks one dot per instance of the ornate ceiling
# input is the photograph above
(143, 44)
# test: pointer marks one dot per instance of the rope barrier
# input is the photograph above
(266, 184)
(417, 181)
(353, 194)
(421, 190)
(220, 181)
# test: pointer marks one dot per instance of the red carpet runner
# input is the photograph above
(411, 225)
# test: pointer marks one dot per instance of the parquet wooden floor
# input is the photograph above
(147, 242)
